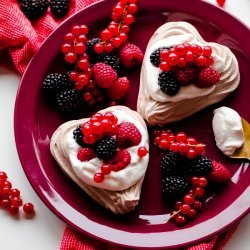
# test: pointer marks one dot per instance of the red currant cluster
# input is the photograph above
(74, 49)
(10, 197)
(98, 126)
(186, 146)
(187, 209)
(116, 33)
(183, 54)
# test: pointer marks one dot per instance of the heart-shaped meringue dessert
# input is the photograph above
(106, 155)
(182, 74)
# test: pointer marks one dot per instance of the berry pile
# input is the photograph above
(184, 167)
(34, 9)
(116, 33)
(10, 197)
(102, 137)
(183, 65)
(191, 203)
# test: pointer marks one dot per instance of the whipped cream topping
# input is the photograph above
(228, 130)
(114, 181)
(159, 108)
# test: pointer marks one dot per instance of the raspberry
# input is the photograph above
(85, 154)
(128, 135)
(59, 8)
(207, 77)
(119, 89)
(33, 9)
(185, 75)
(130, 55)
(104, 75)
(219, 173)
(120, 160)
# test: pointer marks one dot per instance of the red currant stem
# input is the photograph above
(174, 214)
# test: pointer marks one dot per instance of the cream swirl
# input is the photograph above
(119, 180)
(156, 107)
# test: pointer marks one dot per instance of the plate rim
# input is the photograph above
(29, 176)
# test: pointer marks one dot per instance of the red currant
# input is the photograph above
(98, 177)
(164, 66)
(202, 182)
(164, 54)
(82, 79)
(189, 57)
(200, 148)
(174, 147)
(118, 9)
(191, 153)
(180, 220)
(82, 39)
(69, 38)
(197, 204)
(106, 125)
(195, 180)
(209, 61)
(164, 144)
(188, 199)
(192, 213)
(200, 61)
(70, 57)
(16, 202)
(87, 96)
(207, 51)
(89, 139)
(180, 49)
(73, 76)
(185, 208)
(106, 169)
(174, 214)
(66, 48)
(106, 35)
(3, 176)
(115, 17)
(76, 30)
(83, 64)
(99, 48)
(157, 140)
(28, 208)
(113, 29)
(111, 117)
(221, 2)
(13, 210)
(108, 47)
(4, 203)
(199, 191)
(116, 43)
(80, 48)
(171, 138)
(128, 19)
(86, 129)
(182, 62)
(15, 192)
(177, 205)
(142, 151)
(183, 147)
(124, 28)
(181, 137)
(97, 127)
(123, 36)
(173, 59)
(5, 191)
(84, 29)
(7, 184)
(132, 8)
(191, 140)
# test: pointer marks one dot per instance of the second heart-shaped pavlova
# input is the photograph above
(106, 155)
(182, 74)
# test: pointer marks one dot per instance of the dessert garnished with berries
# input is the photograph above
(185, 174)
(181, 74)
(98, 63)
(106, 155)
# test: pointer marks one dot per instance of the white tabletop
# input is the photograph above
(45, 230)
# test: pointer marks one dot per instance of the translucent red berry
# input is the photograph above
(13, 210)
(76, 30)
(142, 151)
(191, 153)
(185, 208)
(199, 191)
(181, 137)
(84, 29)
(202, 182)
(178, 205)
(3, 175)
(180, 220)
(99, 48)
(66, 48)
(188, 199)
(128, 19)
(106, 35)
(28, 208)
(197, 204)
(70, 57)
(15, 192)
(106, 169)
(207, 51)
(164, 144)
(69, 38)
(98, 177)
(200, 61)
(192, 214)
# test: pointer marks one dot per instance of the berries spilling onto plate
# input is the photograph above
(183, 65)
(98, 64)
(10, 197)
(34, 9)
(185, 172)
(103, 138)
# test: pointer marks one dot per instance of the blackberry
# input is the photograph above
(105, 148)
(155, 56)
(33, 9)
(172, 164)
(78, 136)
(200, 166)
(93, 57)
(59, 8)
(69, 101)
(112, 59)
(168, 83)
(174, 187)
(55, 82)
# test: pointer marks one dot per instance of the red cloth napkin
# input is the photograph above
(21, 39)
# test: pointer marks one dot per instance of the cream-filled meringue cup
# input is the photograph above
(120, 189)
(158, 108)
(228, 130)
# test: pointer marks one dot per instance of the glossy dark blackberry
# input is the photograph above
(201, 166)
(168, 83)
(33, 8)
(59, 8)
(105, 148)
(57, 82)
(78, 136)
(172, 164)
(112, 59)
(155, 56)
(69, 101)
(174, 187)
(93, 57)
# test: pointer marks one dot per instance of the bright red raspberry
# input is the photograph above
(128, 135)
(104, 75)
(130, 55)
(186, 75)
(207, 77)
(119, 89)
(85, 154)
(219, 173)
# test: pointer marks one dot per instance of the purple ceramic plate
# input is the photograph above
(145, 227)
